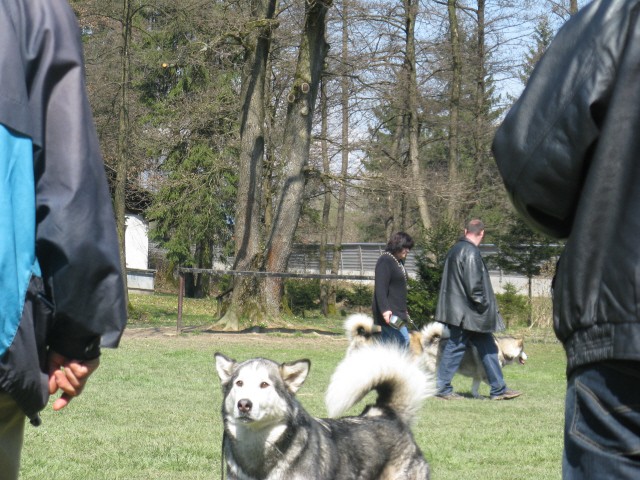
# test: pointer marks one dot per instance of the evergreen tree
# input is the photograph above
(542, 36)
(423, 292)
(523, 251)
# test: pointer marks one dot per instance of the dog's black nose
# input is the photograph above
(244, 405)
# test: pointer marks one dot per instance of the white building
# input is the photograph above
(136, 241)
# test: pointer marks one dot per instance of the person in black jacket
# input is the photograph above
(468, 307)
(390, 290)
(61, 288)
(569, 154)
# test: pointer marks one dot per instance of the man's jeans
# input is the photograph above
(454, 351)
(602, 422)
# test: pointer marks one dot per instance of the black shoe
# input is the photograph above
(450, 396)
(508, 394)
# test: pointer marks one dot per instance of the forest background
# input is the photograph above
(241, 127)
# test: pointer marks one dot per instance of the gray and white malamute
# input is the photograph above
(426, 346)
(268, 435)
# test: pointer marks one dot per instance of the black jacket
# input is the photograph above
(390, 289)
(569, 153)
(466, 297)
(77, 303)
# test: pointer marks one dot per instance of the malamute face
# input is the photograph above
(512, 349)
(256, 391)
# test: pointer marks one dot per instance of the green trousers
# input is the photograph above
(12, 420)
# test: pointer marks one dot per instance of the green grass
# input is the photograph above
(152, 411)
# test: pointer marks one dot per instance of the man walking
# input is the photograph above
(468, 306)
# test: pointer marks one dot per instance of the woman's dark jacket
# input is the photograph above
(569, 154)
(390, 289)
(466, 296)
(61, 286)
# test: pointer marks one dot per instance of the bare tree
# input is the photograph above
(454, 108)
(246, 301)
(325, 286)
(122, 164)
(295, 151)
(411, 106)
(563, 8)
(344, 170)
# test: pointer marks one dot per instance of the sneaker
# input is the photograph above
(508, 394)
(450, 396)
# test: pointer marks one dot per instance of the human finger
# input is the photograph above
(82, 370)
(55, 362)
(67, 382)
(61, 402)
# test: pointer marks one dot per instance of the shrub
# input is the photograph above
(358, 296)
(301, 295)
(515, 308)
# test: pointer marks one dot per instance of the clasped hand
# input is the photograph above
(69, 376)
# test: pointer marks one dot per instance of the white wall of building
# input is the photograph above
(136, 238)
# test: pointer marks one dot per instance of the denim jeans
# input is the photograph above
(453, 352)
(394, 335)
(602, 422)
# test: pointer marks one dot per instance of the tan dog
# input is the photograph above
(426, 348)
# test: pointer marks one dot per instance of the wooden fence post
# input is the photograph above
(180, 299)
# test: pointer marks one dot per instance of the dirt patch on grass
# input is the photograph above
(276, 336)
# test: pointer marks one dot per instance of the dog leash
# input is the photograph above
(222, 456)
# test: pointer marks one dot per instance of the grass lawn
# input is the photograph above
(152, 411)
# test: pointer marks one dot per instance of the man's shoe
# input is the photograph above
(450, 396)
(508, 394)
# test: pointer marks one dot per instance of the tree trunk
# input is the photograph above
(411, 8)
(397, 192)
(530, 287)
(245, 301)
(480, 120)
(120, 193)
(326, 206)
(454, 107)
(297, 140)
(344, 170)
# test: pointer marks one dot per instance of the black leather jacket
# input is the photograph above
(569, 153)
(466, 296)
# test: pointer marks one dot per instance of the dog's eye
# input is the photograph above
(264, 385)
(239, 383)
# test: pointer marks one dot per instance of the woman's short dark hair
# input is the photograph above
(398, 241)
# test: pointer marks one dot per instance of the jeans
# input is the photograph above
(394, 335)
(602, 422)
(453, 352)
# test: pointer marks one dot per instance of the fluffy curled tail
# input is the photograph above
(431, 334)
(400, 383)
(359, 325)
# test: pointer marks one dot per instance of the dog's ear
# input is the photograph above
(295, 373)
(225, 367)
